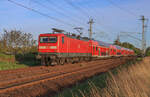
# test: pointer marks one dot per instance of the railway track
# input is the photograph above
(43, 76)
(9, 75)
(21, 84)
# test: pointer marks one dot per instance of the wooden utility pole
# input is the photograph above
(90, 29)
(143, 19)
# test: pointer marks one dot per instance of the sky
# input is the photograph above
(111, 17)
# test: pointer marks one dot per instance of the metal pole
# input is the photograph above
(90, 29)
(143, 35)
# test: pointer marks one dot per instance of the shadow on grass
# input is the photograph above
(28, 59)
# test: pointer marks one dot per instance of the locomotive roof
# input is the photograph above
(118, 47)
(127, 49)
(78, 37)
(101, 43)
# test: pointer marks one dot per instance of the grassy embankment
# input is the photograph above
(129, 80)
(133, 81)
(13, 62)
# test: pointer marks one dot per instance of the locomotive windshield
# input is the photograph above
(48, 39)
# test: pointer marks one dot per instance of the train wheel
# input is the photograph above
(81, 59)
(89, 59)
(48, 61)
(58, 61)
(68, 60)
(61, 61)
(77, 60)
(73, 60)
(43, 61)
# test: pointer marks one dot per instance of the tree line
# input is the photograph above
(131, 46)
(17, 42)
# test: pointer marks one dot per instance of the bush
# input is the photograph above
(148, 51)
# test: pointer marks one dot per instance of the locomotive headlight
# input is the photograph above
(42, 47)
(53, 47)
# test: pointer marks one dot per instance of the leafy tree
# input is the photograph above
(0, 46)
(11, 40)
(148, 51)
(128, 45)
(15, 41)
(27, 42)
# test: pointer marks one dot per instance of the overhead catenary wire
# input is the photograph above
(76, 20)
(82, 11)
(58, 12)
(42, 14)
(121, 8)
(133, 38)
(85, 13)
(126, 34)
(61, 7)
(95, 13)
(46, 15)
(77, 8)
(129, 12)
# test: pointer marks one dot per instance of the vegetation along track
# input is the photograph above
(52, 81)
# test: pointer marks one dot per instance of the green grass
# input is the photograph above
(6, 56)
(8, 61)
(139, 59)
(8, 66)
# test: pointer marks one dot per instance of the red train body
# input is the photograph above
(60, 48)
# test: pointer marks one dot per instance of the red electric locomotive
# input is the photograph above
(58, 48)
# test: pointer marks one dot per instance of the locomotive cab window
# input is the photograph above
(48, 39)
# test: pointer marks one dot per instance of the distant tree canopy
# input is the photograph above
(1, 46)
(148, 51)
(15, 42)
(128, 45)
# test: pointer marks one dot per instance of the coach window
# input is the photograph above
(62, 40)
